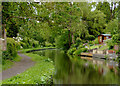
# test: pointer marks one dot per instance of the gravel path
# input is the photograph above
(18, 67)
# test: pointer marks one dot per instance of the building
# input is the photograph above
(103, 37)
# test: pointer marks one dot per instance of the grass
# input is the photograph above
(9, 63)
(40, 73)
(24, 50)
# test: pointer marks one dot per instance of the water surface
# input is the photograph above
(79, 71)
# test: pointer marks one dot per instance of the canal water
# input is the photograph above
(74, 70)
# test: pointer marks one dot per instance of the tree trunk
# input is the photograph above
(69, 38)
(73, 42)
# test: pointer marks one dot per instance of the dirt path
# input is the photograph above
(18, 67)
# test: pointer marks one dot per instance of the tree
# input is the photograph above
(109, 9)
(112, 27)
(96, 22)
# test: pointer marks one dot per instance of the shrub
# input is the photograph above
(110, 43)
(23, 45)
(11, 51)
(74, 45)
(84, 49)
(77, 52)
(18, 45)
(30, 42)
(90, 37)
(70, 51)
(80, 46)
(118, 52)
(35, 43)
(96, 41)
(47, 44)
(62, 41)
(26, 41)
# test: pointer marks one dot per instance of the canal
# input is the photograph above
(79, 71)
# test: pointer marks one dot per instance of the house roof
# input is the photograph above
(105, 34)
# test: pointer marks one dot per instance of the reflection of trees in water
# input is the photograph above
(78, 73)
(68, 72)
(62, 66)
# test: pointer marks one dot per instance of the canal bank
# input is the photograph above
(37, 74)
(76, 70)
(65, 70)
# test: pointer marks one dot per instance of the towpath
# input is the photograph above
(18, 67)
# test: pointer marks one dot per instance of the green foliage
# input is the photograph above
(70, 51)
(118, 52)
(29, 43)
(96, 27)
(18, 45)
(116, 38)
(83, 49)
(112, 27)
(77, 52)
(90, 37)
(11, 52)
(23, 45)
(40, 73)
(94, 46)
(80, 46)
(96, 41)
(62, 41)
(78, 40)
(47, 44)
(110, 43)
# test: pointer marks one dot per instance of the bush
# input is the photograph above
(30, 42)
(70, 51)
(84, 49)
(80, 46)
(18, 45)
(77, 52)
(47, 44)
(35, 43)
(96, 41)
(118, 52)
(23, 45)
(11, 51)
(90, 37)
(110, 43)
(62, 41)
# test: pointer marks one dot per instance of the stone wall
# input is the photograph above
(99, 51)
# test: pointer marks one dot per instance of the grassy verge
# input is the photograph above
(8, 63)
(24, 50)
(40, 73)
